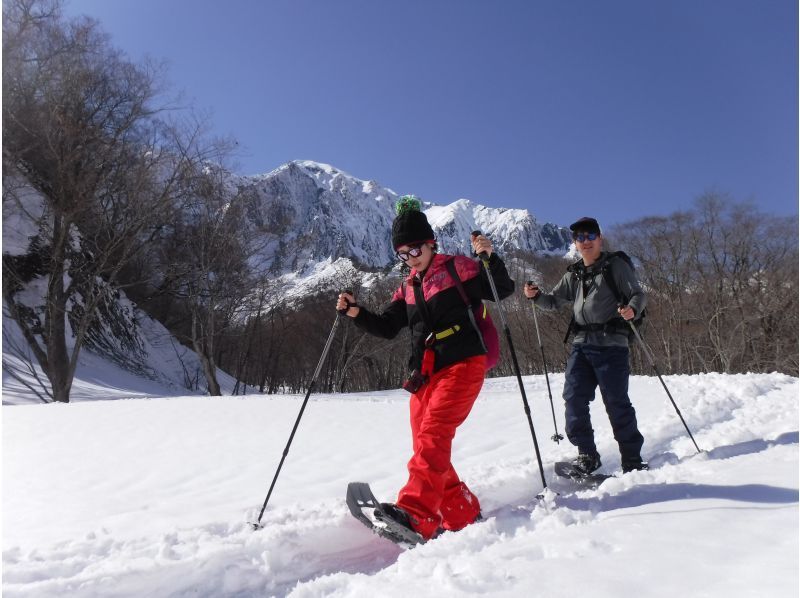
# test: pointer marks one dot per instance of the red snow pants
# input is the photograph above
(434, 496)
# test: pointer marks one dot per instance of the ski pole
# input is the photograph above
(652, 361)
(485, 260)
(257, 525)
(555, 437)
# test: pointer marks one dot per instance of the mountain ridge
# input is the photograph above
(318, 213)
(313, 228)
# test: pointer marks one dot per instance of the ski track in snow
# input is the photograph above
(720, 523)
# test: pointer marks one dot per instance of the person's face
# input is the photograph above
(417, 256)
(590, 245)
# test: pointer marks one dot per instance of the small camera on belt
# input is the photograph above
(415, 381)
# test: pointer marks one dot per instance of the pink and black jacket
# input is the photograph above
(445, 308)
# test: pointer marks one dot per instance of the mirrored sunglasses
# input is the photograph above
(581, 237)
(413, 251)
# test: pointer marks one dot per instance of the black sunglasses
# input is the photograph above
(414, 251)
(581, 237)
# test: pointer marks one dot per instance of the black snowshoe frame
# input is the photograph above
(360, 497)
(566, 469)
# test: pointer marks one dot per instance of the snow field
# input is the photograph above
(152, 497)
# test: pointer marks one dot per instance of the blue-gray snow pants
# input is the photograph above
(588, 367)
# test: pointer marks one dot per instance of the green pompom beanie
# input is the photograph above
(410, 226)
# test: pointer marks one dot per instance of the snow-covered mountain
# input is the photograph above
(315, 213)
(312, 225)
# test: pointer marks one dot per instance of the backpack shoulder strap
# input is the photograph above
(573, 270)
(609, 278)
(451, 269)
(419, 299)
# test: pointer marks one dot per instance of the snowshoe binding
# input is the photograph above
(387, 520)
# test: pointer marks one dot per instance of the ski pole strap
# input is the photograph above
(349, 305)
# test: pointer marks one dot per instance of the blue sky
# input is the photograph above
(614, 108)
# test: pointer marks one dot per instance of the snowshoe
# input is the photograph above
(586, 463)
(569, 470)
(384, 519)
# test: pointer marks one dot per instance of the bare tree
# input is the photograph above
(208, 257)
(80, 131)
(723, 285)
(722, 280)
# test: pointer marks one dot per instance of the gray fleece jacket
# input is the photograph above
(593, 302)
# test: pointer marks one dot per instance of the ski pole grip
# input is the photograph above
(349, 303)
(482, 254)
(530, 283)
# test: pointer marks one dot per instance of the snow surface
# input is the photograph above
(152, 497)
(165, 367)
(19, 222)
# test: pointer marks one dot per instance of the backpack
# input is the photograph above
(605, 271)
(481, 320)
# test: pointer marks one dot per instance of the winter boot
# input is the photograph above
(395, 513)
(587, 463)
(634, 464)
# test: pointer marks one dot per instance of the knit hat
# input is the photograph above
(410, 226)
(585, 225)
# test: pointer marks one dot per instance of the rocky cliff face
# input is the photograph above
(314, 213)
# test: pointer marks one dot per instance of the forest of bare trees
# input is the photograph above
(722, 280)
(131, 200)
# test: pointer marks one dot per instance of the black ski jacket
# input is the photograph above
(445, 307)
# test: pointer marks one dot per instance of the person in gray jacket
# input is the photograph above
(599, 355)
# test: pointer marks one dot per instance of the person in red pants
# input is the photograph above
(448, 364)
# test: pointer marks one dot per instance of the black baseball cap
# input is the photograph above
(585, 224)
